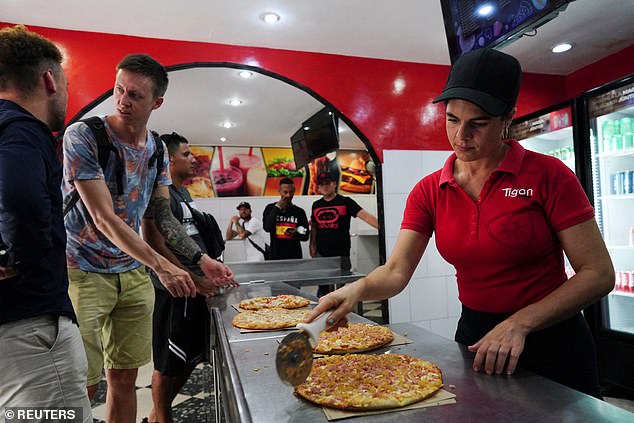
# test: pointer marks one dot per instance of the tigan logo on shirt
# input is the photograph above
(518, 192)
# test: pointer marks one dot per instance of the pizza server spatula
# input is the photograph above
(294, 357)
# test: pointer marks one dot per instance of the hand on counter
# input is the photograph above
(500, 349)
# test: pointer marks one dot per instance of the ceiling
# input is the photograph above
(402, 30)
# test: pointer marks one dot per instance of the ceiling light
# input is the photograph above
(223, 139)
(245, 74)
(560, 48)
(227, 124)
(485, 10)
(235, 102)
(270, 17)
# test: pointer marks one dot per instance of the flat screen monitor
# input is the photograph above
(475, 24)
(321, 133)
(301, 154)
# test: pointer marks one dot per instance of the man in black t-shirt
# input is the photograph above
(180, 325)
(330, 224)
(287, 224)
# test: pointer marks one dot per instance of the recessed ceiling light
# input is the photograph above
(227, 124)
(235, 102)
(306, 128)
(223, 139)
(560, 48)
(245, 74)
(270, 17)
(485, 10)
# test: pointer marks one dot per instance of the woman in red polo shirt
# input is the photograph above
(503, 217)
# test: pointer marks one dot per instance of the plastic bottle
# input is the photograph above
(626, 132)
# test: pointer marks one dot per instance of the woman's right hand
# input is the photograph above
(339, 303)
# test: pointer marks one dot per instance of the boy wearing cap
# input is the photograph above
(503, 216)
(330, 224)
(249, 229)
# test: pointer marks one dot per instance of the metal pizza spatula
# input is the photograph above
(294, 357)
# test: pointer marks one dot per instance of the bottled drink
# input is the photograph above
(627, 182)
(619, 183)
(626, 132)
(617, 142)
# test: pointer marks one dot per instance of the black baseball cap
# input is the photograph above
(324, 177)
(243, 204)
(485, 77)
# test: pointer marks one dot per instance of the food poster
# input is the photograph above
(199, 185)
(280, 164)
(238, 171)
(328, 164)
(355, 178)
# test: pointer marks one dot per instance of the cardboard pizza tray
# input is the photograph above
(441, 397)
(398, 340)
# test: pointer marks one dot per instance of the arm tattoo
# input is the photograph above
(171, 229)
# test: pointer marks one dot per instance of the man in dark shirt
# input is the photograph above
(330, 224)
(180, 325)
(43, 361)
(287, 224)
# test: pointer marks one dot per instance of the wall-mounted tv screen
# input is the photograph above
(301, 155)
(475, 24)
(321, 133)
(318, 136)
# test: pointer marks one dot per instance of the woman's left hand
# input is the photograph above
(500, 349)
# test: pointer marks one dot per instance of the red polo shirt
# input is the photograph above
(504, 246)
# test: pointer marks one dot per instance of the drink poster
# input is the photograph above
(280, 164)
(238, 171)
(199, 185)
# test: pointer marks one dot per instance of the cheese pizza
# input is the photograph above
(281, 301)
(269, 318)
(353, 338)
(370, 382)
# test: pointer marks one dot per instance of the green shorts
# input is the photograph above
(115, 318)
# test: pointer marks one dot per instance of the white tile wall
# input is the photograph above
(431, 297)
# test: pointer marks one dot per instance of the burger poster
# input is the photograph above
(355, 178)
(280, 164)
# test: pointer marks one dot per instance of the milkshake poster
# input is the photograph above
(199, 185)
(280, 164)
(238, 171)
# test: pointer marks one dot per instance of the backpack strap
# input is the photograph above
(157, 157)
(104, 148)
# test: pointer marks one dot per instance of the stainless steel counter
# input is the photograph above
(298, 272)
(523, 397)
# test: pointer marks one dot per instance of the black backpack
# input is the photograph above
(105, 147)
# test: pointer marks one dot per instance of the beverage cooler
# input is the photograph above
(550, 131)
(608, 121)
(554, 131)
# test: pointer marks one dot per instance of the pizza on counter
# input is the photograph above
(353, 338)
(370, 382)
(279, 301)
(269, 318)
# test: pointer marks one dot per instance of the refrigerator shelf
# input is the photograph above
(617, 197)
(620, 153)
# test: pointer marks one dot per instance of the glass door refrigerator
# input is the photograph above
(609, 130)
(553, 131)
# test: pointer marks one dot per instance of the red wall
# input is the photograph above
(360, 88)
(609, 69)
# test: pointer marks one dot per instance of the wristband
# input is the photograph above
(197, 257)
